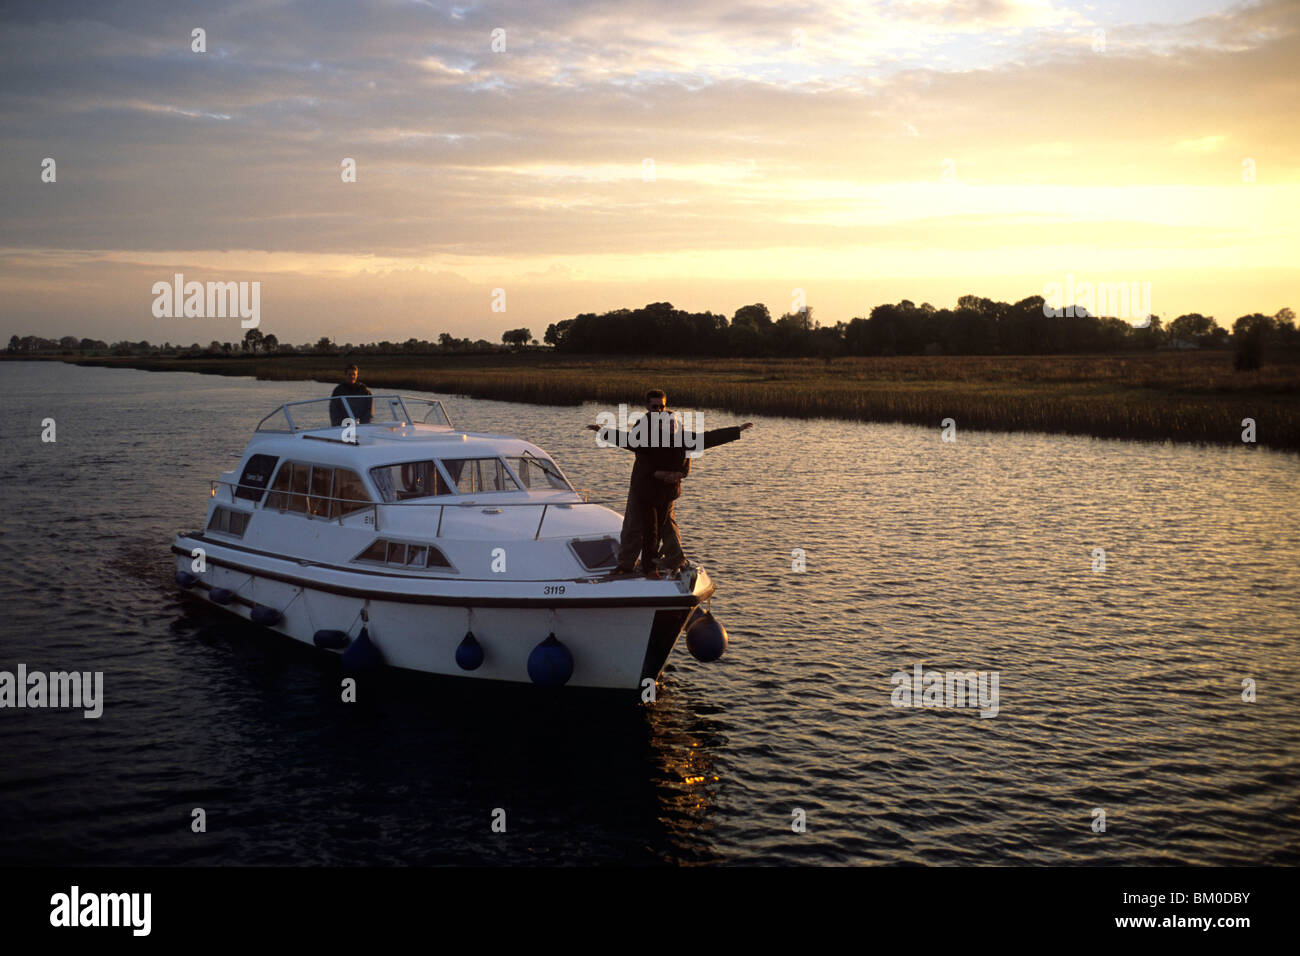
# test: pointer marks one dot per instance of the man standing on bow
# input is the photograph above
(661, 464)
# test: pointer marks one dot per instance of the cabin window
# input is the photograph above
(476, 475)
(318, 490)
(320, 504)
(228, 521)
(350, 492)
(399, 554)
(538, 473)
(257, 475)
(412, 479)
(298, 485)
(279, 496)
(289, 492)
(600, 553)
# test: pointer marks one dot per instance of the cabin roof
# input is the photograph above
(384, 444)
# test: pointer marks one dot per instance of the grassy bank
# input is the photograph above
(1187, 396)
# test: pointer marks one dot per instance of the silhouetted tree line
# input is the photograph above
(257, 343)
(977, 326)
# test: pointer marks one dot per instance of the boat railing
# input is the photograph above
(364, 409)
(366, 504)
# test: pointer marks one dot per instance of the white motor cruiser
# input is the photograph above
(370, 527)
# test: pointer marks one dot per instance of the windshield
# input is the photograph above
(426, 411)
(475, 475)
(320, 413)
(412, 479)
(538, 474)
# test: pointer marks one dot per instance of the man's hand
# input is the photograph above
(746, 426)
(672, 477)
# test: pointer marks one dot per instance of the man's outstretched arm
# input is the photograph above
(717, 436)
(619, 438)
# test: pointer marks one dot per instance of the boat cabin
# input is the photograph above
(409, 474)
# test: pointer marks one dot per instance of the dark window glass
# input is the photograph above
(257, 475)
(538, 473)
(298, 488)
(475, 475)
(412, 479)
(228, 521)
(495, 477)
(319, 503)
(461, 471)
(279, 496)
(601, 553)
(399, 554)
(349, 491)
(378, 551)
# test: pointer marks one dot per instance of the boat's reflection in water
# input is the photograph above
(417, 768)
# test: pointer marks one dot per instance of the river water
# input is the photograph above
(1120, 691)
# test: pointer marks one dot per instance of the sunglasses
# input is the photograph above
(655, 408)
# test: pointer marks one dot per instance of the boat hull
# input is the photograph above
(619, 633)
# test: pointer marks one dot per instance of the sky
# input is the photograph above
(552, 158)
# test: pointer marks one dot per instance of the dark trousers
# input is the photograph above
(648, 524)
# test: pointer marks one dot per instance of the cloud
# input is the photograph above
(1203, 144)
(758, 141)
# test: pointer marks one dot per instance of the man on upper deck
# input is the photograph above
(358, 409)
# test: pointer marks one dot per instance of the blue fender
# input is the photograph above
(362, 654)
(469, 653)
(333, 640)
(551, 663)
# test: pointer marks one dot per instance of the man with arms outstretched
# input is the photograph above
(661, 464)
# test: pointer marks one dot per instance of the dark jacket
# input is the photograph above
(340, 409)
(667, 458)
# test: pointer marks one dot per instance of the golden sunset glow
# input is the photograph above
(609, 157)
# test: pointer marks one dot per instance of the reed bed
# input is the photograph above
(1168, 396)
